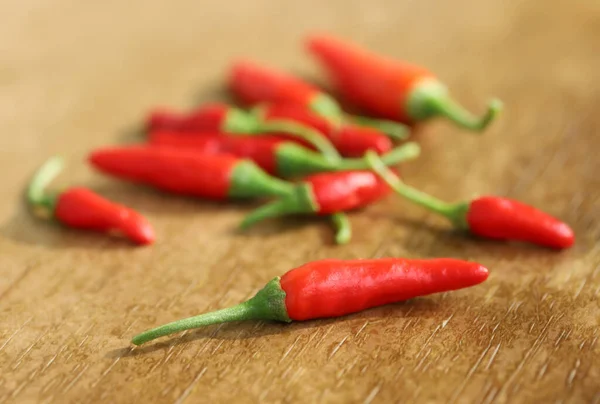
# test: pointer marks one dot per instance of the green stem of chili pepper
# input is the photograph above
(36, 192)
(430, 98)
(394, 130)
(303, 132)
(301, 161)
(327, 107)
(454, 212)
(267, 304)
(243, 122)
(343, 232)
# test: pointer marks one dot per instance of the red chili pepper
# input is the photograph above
(334, 288)
(83, 209)
(273, 154)
(349, 140)
(256, 84)
(329, 194)
(488, 216)
(186, 172)
(225, 119)
(391, 89)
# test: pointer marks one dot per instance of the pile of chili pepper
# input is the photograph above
(291, 146)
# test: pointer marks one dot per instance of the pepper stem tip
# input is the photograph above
(36, 191)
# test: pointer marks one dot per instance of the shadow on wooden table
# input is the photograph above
(250, 330)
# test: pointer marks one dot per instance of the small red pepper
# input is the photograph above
(329, 194)
(83, 209)
(273, 154)
(257, 84)
(186, 172)
(349, 140)
(391, 89)
(223, 118)
(488, 216)
(334, 288)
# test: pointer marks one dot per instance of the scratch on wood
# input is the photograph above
(372, 394)
(470, 373)
(287, 351)
(530, 352)
(361, 329)
(15, 333)
(573, 373)
(190, 387)
(76, 378)
(493, 356)
(108, 369)
(420, 363)
(427, 341)
(337, 347)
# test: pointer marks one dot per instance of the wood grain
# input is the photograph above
(76, 75)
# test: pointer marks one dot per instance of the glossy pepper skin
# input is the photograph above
(273, 154)
(333, 288)
(349, 140)
(508, 219)
(388, 88)
(254, 83)
(185, 172)
(83, 209)
(222, 118)
(487, 216)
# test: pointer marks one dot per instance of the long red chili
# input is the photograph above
(488, 216)
(218, 177)
(328, 194)
(388, 88)
(273, 154)
(334, 288)
(83, 209)
(255, 83)
(218, 117)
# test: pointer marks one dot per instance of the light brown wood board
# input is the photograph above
(76, 75)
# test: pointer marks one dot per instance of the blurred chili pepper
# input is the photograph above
(388, 88)
(273, 154)
(487, 216)
(83, 209)
(212, 176)
(334, 288)
(218, 117)
(255, 84)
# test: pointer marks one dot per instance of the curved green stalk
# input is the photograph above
(394, 130)
(430, 98)
(453, 212)
(406, 152)
(267, 304)
(296, 160)
(343, 229)
(321, 143)
(324, 105)
(36, 191)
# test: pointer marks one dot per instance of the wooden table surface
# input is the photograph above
(77, 75)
